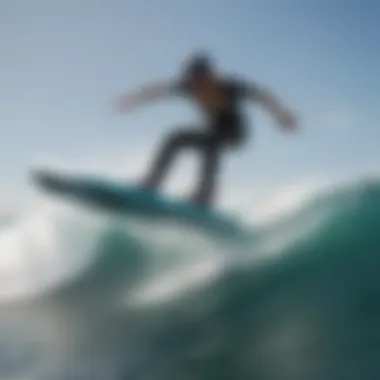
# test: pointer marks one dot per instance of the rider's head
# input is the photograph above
(199, 68)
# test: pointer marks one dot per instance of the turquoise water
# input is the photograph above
(126, 299)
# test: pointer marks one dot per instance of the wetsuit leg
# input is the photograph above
(167, 153)
(213, 146)
(209, 172)
(210, 146)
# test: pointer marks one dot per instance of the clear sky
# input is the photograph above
(62, 63)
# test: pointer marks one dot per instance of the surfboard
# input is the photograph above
(122, 197)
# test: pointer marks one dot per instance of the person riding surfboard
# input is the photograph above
(220, 99)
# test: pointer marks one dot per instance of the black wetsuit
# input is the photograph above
(225, 127)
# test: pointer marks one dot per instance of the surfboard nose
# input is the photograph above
(40, 177)
(49, 180)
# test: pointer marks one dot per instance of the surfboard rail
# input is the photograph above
(118, 196)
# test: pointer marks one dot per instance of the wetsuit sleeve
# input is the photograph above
(179, 88)
(243, 89)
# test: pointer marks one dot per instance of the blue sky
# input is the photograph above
(62, 63)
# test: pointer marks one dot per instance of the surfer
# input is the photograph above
(220, 99)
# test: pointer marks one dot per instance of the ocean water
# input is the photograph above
(85, 295)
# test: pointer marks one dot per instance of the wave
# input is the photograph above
(117, 298)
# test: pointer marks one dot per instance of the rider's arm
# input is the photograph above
(273, 106)
(146, 94)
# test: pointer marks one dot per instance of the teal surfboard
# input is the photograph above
(119, 196)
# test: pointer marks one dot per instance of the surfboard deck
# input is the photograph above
(118, 196)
